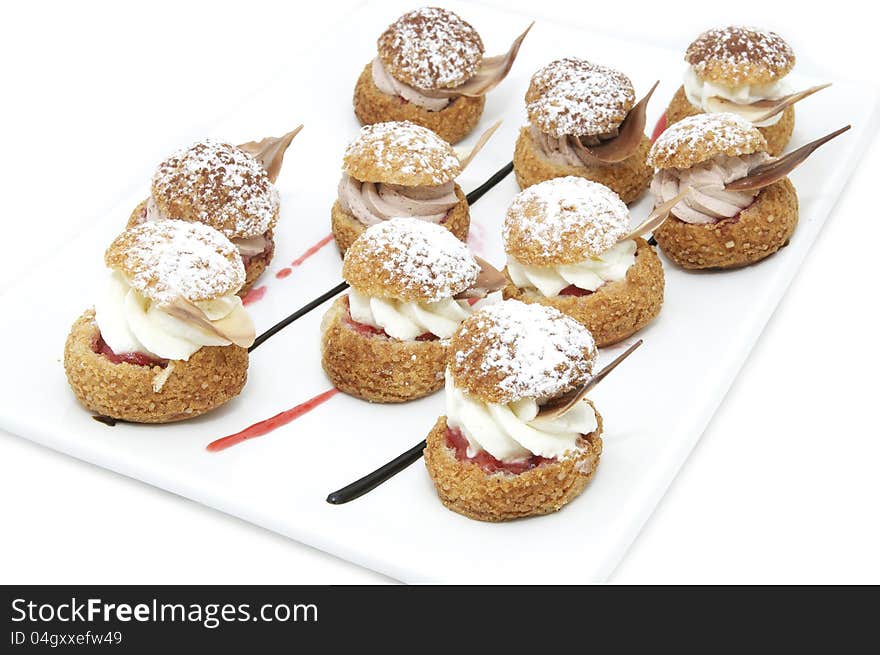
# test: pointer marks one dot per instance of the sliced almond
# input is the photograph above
(773, 171)
(270, 151)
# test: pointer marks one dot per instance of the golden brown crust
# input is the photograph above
(211, 377)
(430, 48)
(377, 368)
(777, 135)
(701, 137)
(400, 152)
(150, 256)
(629, 179)
(761, 229)
(733, 56)
(452, 123)
(137, 216)
(466, 489)
(257, 265)
(616, 310)
(346, 228)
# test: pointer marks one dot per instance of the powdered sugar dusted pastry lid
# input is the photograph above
(218, 184)
(430, 48)
(168, 260)
(574, 97)
(512, 350)
(698, 138)
(400, 152)
(732, 56)
(564, 220)
(410, 260)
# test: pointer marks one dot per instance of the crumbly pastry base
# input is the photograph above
(346, 228)
(777, 135)
(376, 368)
(616, 310)
(466, 489)
(761, 229)
(629, 179)
(135, 218)
(258, 264)
(453, 123)
(211, 377)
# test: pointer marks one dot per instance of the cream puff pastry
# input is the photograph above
(567, 247)
(578, 112)
(430, 70)
(492, 457)
(230, 188)
(387, 339)
(168, 338)
(716, 226)
(398, 170)
(741, 70)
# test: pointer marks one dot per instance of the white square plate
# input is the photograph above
(655, 406)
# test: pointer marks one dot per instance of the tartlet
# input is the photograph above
(387, 339)
(741, 70)
(230, 188)
(491, 457)
(576, 109)
(430, 70)
(398, 170)
(565, 246)
(168, 339)
(716, 227)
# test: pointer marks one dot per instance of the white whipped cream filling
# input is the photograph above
(708, 200)
(589, 274)
(408, 320)
(247, 246)
(704, 95)
(392, 87)
(131, 323)
(512, 432)
(374, 202)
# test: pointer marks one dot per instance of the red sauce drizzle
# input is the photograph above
(659, 128)
(138, 359)
(572, 290)
(311, 251)
(283, 273)
(264, 427)
(254, 295)
(458, 442)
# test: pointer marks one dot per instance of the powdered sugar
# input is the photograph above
(564, 220)
(417, 256)
(431, 48)
(739, 51)
(397, 150)
(572, 96)
(529, 350)
(170, 259)
(218, 184)
(700, 137)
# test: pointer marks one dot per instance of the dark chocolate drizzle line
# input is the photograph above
(472, 197)
(372, 480)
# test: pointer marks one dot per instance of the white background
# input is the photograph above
(781, 488)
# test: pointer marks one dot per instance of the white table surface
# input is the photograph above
(781, 488)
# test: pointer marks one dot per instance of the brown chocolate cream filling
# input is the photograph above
(247, 246)
(562, 151)
(708, 201)
(392, 87)
(374, 202)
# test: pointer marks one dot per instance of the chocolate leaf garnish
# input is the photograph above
(655, 218)
(762, 110)
(225, 328)
(484, 138)
(773, 171)
(563, 404)
(490, 74)
(270, 151)
(629, 136)
(488, 280)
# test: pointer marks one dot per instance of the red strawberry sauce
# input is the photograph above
(459, 443)
(572, 290)
(138, 359)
